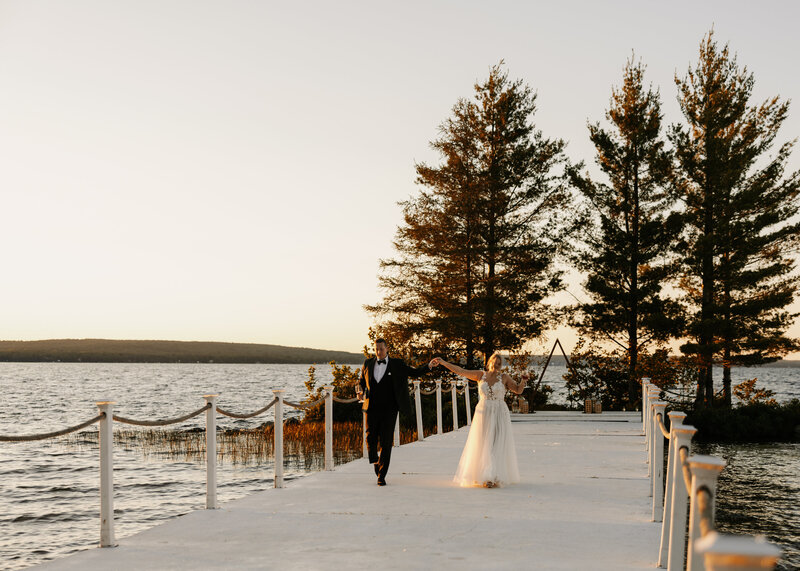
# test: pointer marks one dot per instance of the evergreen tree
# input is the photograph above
(739, 211)
(476, 251)
(628, 230)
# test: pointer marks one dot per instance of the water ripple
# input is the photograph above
(758, 493)
(49, 490)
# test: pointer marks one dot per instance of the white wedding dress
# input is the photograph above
(489, 454)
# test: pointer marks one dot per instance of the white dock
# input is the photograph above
(582, 504)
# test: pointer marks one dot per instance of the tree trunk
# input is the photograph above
(706, 393)
(726, 379)
(488, 335)
(488, 331)
(470, 340)
(727, 333)
(633, 323)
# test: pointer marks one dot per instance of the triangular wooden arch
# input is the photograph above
(550, 356)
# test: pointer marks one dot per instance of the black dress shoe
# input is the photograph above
(381, 482)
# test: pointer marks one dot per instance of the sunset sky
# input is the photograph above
(230, 171)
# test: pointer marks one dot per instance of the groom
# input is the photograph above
(384, 389)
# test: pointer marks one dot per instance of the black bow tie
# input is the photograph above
(381, 362)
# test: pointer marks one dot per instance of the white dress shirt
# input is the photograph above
(380, 370)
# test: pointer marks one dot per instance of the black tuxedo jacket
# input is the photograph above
(397, 373)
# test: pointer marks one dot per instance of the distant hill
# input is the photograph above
(115, 351)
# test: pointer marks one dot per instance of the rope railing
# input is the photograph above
(704, 500)
(661, 425)
(686, 471)
(673, 402)
(33, 437)
(689, 476)
(675, 393)
(107, 417)
(183, 418)
(249, 414)
(306, 405)
(691, 483)
(689, 395)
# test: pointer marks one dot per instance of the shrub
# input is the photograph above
(535, 393)
(344, 383)
(595, 372)
(753, 422)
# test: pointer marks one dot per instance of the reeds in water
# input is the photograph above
(304, 443)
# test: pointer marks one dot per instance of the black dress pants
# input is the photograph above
(380, 430)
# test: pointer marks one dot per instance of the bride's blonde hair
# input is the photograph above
(490, 362)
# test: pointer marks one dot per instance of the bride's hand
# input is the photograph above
(434, 362)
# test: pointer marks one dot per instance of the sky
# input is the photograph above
(231, 170)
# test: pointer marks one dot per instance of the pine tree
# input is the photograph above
(739, 210)
(476, 251)
(628, 230)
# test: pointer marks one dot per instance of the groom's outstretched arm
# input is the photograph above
(417, 371)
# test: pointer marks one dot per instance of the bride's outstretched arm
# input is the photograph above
(471, 375)
(513, 386)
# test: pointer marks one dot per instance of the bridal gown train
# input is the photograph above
(489, 454)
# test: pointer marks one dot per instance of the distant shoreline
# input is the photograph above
(140, 351)
(157, 351)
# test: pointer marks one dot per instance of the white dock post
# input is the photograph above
(278, 431)
(724, 552)
(438, 406)
(454, 398)
(418, 404)
(705, 471)
(647, 422)
(677, 519)
(651, 434)
(645, 383)
(328, 427)
(211, 452)
(397, 431)
(467, 403)
(658, 466)
(675, 420)
(364, 449)
(106, 434)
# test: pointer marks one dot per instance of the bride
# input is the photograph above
(489, 458)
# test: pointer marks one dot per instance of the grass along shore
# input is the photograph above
(304, 443)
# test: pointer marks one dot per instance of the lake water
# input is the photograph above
(759, 493)
(49, 505)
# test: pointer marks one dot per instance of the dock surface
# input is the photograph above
(582, 504)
